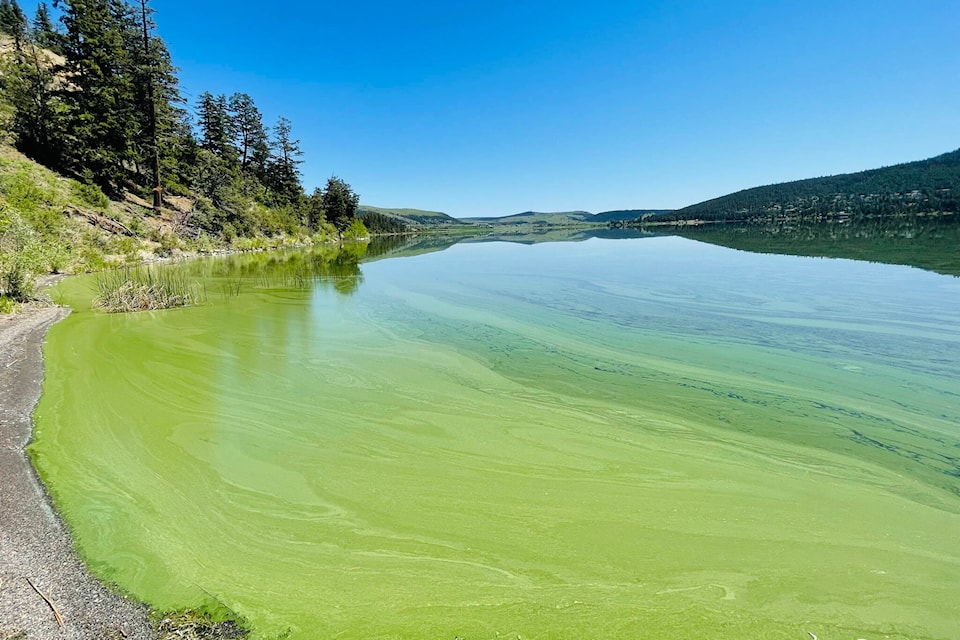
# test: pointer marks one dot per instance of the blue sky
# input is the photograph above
(490, 107)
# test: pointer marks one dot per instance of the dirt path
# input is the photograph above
(34, 545)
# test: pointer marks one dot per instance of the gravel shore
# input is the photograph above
(34, 544)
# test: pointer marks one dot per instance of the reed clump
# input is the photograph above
(144, 289)
(196, 625)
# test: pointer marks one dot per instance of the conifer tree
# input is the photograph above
(217, 128)
(43, 32)
(101, 100)
(39, 122)
(251, 135)
(340, 203)
(13, 22)
(284, 171)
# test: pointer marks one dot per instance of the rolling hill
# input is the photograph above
(539, 218)
(569, 218)
(926, 186)
(623, 215)
(415, 217)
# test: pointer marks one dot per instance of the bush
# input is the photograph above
(91, 259)
(356, 230)
(7, 305)
(17, 281)
(90, 194)
(22, 256)
(168, 244)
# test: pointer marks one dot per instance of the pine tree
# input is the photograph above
(340, 203)
(144, 66)
(251, 135)
(101, 99)
(39, 121)
(43, 32)
(217, 129)
(13, 22)
(284, 171)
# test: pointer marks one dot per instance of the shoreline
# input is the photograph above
(35, 545)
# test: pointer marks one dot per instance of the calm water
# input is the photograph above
(649, 438)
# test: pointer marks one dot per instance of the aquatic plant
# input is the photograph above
(194, 625)
(145, 289)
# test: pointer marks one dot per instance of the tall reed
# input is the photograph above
(145, 289)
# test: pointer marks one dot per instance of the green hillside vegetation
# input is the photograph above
(399, 221)
(127, 175)
(415, 216)
(924, 187)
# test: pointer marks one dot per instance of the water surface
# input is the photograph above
(650, 438)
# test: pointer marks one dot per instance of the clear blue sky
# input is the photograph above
(490, 107)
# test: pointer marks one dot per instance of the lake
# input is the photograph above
(616, 438)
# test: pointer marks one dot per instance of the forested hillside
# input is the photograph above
(926, 186)
(393, 221)
(88, 90)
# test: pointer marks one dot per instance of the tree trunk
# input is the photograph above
(155, 159)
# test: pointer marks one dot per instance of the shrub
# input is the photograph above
(356, 230)
(168, 244)
(7, 305)
(90, 194)
(91, 259)
(17, 281)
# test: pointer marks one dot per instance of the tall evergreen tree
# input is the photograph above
(39, 121)
(284, 171)
(251, 135)
(340, 203)
(43, 32)
(12, 21)
(145, 65)
(101, 96)
(217, 129)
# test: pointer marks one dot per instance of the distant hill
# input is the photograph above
(925, 186)
(540, 218)
(379, 220)
(628, 214)
(399, 220)
(568, 218)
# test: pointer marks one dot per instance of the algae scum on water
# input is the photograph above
(653, 438)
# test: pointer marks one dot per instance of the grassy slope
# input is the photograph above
(47, 221)
(50, 223)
